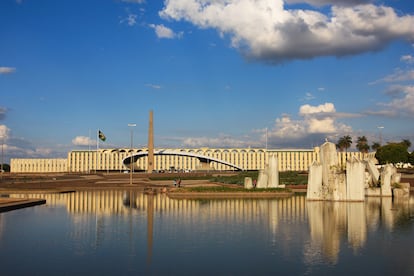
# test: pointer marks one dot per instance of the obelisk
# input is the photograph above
(150, 165)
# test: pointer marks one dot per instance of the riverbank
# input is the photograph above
(62, 182)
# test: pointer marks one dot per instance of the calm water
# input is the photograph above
(129, 233)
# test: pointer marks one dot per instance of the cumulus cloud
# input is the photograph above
(266, 30)
(316, 123)
(4, 132)
(164, 32)
(330, 2)
(83, 141)
(7, 70)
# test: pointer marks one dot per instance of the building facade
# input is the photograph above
(111, 160)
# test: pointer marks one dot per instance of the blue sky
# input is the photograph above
(216, 73)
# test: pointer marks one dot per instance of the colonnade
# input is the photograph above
(110, 160)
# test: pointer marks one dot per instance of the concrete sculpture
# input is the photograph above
(329, 180)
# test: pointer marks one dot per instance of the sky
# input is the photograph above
(215, 73)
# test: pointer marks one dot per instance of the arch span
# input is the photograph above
(203, 159)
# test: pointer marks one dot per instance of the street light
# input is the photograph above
(2, 154)
(380, 133)
(132, 148)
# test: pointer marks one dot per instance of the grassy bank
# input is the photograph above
(285, 178)
(221, 189)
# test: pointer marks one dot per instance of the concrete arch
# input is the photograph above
(203, 158)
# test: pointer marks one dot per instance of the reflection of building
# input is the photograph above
(109, 202)
(111, 160)
(329, 222)
(323, 229)
(332, 222)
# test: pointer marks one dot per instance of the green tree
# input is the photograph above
(6, 167)
(362, 144)
(344, 143)
(392, 153)
(406, 142)
(411, 158)
(375, 146)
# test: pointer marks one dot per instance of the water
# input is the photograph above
(128, 233)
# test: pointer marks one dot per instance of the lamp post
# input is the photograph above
(380, 134)
(132, 147)
(2, 155)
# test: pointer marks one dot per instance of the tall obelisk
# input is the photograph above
(150, 165)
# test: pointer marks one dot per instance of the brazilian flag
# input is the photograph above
(101, 136)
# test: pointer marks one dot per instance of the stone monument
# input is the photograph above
(328, 180)
(269, 176)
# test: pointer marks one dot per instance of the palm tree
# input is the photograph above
(344, 143)
(362, 144)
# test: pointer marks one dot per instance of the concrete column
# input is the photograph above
(386, 175)
(314, 182)
(373, 172)
(329, 159)
(355, 180)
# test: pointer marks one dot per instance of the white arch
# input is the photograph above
(202, 158)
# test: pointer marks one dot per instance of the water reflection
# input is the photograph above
(331, 221)
(286, 227)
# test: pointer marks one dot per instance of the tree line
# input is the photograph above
(394, 152)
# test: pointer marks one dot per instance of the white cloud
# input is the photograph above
(408, 59)
(164, 32)
(7, 70)
(400, 75)
(134, 1)
(130, 20)
(308, 96)
(403, 102)
(83, 141)
(4, 132)
(330, 2)
(286, 128)
(265, 30)
(219, 142)
(316, 123)
(308, 109)
(319, 119)
(154, 86)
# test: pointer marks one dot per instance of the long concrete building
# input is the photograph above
(218, 159)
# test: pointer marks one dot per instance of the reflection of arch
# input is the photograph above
(205, 160)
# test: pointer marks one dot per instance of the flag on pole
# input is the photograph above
(101, 136)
